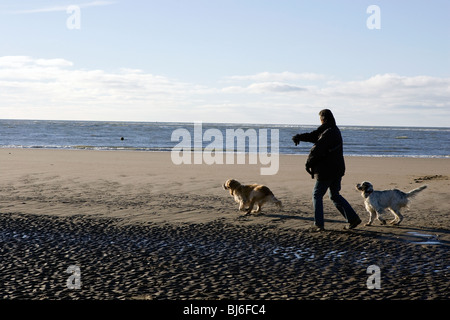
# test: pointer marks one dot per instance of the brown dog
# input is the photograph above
(249, 195)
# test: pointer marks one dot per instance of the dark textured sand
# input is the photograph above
(209, 261)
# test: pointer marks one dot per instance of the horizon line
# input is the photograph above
(242, 123)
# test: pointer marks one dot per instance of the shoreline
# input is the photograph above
(164, 150)
(158, 230)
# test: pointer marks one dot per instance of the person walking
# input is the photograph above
(326, 164)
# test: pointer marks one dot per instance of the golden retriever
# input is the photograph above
(249, 195)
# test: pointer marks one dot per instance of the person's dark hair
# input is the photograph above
(327, 117)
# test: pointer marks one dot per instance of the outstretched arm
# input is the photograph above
(307, 137)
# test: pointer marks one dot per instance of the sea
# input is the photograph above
(373, 141)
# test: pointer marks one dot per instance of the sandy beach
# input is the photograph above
(140, 227)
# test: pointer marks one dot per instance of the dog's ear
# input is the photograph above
(226, 185)
(368, 187)
(364, 186)
(232, 185)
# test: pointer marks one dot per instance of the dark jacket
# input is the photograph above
(326, 158)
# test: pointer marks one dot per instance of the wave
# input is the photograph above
(82, 147)
(374, 128)
(169, 149)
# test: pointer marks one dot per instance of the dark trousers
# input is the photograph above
(339, 202)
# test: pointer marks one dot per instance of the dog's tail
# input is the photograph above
(414, 192)
(277, 202)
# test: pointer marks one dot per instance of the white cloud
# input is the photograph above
(53, 62)
(393, 90)
(57, 89)
(14, 61)
(53, 88)
(277, 77)
(265, 87)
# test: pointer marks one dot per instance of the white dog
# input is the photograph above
(377, 201)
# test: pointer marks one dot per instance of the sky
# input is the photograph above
(238, 61)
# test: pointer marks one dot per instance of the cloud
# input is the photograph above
(53, 63)
(265, 87)
(277, 77)
(63, 8)
(14, 61)
(58, 89)
(53, 88)
(393, 90)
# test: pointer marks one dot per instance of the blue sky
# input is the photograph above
(262, 61)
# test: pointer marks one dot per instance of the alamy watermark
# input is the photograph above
(374, 280)
(74, 20)
(74, 280)
(190, 150)
(374, 20)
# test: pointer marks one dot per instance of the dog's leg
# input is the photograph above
(250, 207)
(393, 221)
(398, 217)
(382, 221)
(241, 206)
(259, 205)
(372, 214)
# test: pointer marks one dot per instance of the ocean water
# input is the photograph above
(157, 136)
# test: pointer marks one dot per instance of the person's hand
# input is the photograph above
(296, 139)
(309, 170)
